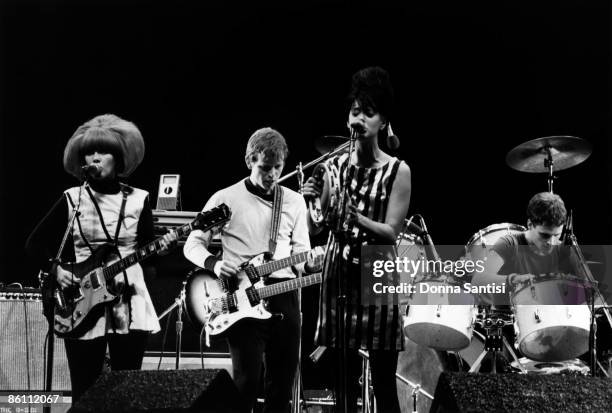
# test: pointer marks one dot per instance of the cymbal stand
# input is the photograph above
(179, 302)
(595, 295)
(549, 163)
(495, 341)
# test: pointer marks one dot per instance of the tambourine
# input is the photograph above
(324, 209)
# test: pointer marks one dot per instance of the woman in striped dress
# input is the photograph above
(378, 186)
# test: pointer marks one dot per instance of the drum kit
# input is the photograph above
(549, 337)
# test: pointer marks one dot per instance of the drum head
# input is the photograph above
(491, 234)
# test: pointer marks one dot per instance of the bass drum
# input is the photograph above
(422, 366)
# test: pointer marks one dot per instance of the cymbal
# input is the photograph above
(327, 143)
(566, 151)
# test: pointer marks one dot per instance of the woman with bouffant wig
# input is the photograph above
(100, 152)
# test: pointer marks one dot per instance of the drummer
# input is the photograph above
(534, 251)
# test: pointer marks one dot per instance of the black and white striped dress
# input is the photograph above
(367, 326)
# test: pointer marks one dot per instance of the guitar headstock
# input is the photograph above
(215, 217)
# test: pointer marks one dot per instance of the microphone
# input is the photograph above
(357, 127)
(428, 241)
(410, 226)
(568, 229)
(393, 141)
(91, 170)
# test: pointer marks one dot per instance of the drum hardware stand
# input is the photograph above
(549, 164)
(179, 302)
(593, 295)
(367, 402)
(495, 341)
(416, 389)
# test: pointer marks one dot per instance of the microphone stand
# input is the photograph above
(593, 295)
(339, 230)
(427, 239)
(341, 297)
(317, 161)
(179, 302)
(296, 405)
(53, 295)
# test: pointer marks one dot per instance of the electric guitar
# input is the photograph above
(78, 307)
(218, 305)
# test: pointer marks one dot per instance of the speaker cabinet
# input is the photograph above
(465, 392)
(23, 329)
(161, 391)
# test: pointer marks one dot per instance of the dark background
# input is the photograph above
(472, 81)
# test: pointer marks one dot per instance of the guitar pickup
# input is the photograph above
(95, 282)
(232, 305)
(253, 296)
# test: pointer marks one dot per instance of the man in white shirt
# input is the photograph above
(274, 341)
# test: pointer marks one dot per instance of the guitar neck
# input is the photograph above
(289, 285)
(142, 253)
(270, 267)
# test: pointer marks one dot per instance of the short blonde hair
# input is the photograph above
(269, 142)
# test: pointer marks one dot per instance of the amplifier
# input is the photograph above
(172, 219)
(164, 221)
(22, 344)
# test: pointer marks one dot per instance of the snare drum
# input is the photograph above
(550, 332)
(324, 209)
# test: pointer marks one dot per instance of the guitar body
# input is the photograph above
(217, 304)
(207, 302)
(78, 307)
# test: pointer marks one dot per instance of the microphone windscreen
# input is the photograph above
(393, 142)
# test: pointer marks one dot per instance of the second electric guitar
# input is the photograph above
(211, 303)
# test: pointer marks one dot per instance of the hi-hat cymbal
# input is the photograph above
(327, 143)
(565, 151)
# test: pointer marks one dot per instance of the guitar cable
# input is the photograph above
(201, 349)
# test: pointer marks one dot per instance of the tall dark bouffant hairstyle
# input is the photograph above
(546, 208)
(371, 87)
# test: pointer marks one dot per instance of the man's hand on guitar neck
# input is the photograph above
(315, 260)
(168, 242)
(225, 269)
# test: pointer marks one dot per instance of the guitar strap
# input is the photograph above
(277, 210)
(79, 224)
(125, 190)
